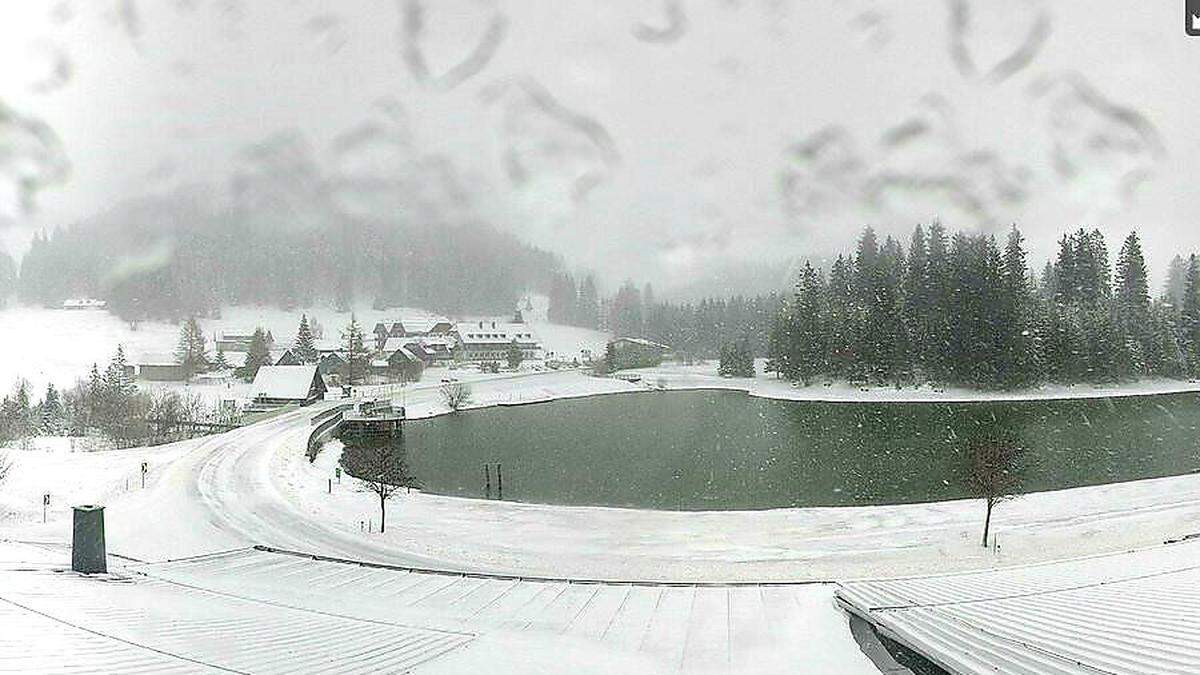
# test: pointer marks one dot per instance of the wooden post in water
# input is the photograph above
(487, 479)
(499, 482)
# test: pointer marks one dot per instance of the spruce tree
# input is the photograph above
(808, 334)
(305, 345)
(1016, 340)
(354, 343)
(190, 351)
(258, 354)
(1189, 319)
(1132, 310)
(1176, 284)
(53, 418)
(938, 292)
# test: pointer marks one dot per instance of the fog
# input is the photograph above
(700, 146)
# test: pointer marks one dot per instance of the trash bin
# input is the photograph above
(87, 544)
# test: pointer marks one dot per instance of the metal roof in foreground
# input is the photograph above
(1134, 612)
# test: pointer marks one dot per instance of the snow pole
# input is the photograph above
(499, 482)
(487, 480)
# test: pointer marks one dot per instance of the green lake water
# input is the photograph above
(701, 450)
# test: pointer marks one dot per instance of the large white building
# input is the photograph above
(490, 340)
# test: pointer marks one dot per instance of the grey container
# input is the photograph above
(87, 546)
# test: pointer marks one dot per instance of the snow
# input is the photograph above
(255, 486)
(71, 475)
(289, 382)
(60, 346)
(1097, 614)
(704, 376)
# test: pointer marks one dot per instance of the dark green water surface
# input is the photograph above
(701, 450)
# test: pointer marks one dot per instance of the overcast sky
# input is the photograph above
(665, 141)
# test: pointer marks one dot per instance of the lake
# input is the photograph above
(703, 450)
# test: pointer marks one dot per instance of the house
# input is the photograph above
(158, 368)
(287, 358)
(632, 352)
(399, 362)
(331, 363)
(401, 328)
(281, 385)
(490, 340)
(238, 342)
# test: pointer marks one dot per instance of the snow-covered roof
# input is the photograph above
(414, 325)
(494, 332)
(642, 342)
(291, 382)
(327, 345)
(155, 359)
(393, 343)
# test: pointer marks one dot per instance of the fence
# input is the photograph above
(325, 424)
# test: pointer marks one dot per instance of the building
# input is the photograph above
(281, 385)
(407, 328)
(631, 352)
(238, 342)
(490, 341)
(158, 368)
(399, 362)
(287, 358)
(331, 363)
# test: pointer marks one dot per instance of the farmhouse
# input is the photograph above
(281, 385)
(490, 340)
(630, 352)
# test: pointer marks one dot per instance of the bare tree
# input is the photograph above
(5, 466)
(380, 467)
(995, 472)
(455, 395)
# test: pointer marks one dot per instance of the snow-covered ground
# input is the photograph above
(766, 385)
(254, 486)
(72, 473)
(60, 346)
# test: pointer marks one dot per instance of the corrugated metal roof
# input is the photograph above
(1132, 612)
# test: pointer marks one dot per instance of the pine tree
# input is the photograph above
(258, 354)
(737, 359)
(1132, 309)
(1017, 359)
(191, 350)
(354, 343)
(305, 346)
(589, 304)
(843, 320)
(53, 419)
(1176, 284)
(1189, 319)
(779, 342)
(938, 292)
(809, 355)
(514, 355)
(221, 362)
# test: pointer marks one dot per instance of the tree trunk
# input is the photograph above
(987, 522)
(382, 512)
